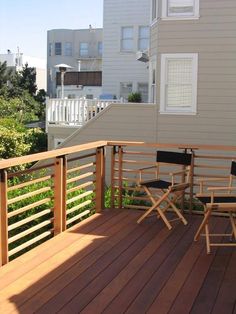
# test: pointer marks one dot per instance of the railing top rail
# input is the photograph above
(6, 163)
(173, 145)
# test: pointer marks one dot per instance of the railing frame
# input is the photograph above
(59, 164)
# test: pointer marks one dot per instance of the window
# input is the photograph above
(179, 83)
(50, 49)
(143, 38)
(83, 49)
(68, 49)
(127, 40)
(154, 10)
(125, 90)
(100, 48)
(58, 49)
(180, 9)
(143, 90)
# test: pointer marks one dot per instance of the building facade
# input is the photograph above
(193, 43)
(81, 49)
(125, 32)
(17, 60)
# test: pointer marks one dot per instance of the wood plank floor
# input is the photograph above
(109, 264)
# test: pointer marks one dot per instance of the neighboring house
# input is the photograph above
(16, 61)
(81, 49)
(193, 43)
(125, 32)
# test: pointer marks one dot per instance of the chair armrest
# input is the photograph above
(212, 179)
(222, 188)
(146, 168)
(142, 169)
(178, 172)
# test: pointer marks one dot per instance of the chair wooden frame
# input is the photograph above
(217, 199)
(171, 189)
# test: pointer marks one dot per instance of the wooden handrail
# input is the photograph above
(7, 163)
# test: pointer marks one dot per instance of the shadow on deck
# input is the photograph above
(110, 264)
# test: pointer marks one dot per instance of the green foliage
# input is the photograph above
(135, 97)
(27, 80)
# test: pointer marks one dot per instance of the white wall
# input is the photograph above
(122, 66)
(86, 90)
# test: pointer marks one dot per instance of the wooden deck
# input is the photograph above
(112, 265)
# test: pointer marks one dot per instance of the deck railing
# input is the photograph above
(74, 112)
(39, 202)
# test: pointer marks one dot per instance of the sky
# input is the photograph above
(24, 23)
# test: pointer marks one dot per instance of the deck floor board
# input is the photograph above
(109, 264)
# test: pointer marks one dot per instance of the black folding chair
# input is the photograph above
(169, 191)
(218, 199)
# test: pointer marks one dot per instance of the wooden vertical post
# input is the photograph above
(191, 183)
(120, 184)
(100, 178)
(60, 195)
(3, 219)
(113, 156)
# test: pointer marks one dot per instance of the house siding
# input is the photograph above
(122, 66)
(213, 37)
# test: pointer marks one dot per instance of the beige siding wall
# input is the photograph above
(213, 37)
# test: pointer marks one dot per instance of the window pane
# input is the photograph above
(143, 90)
(179, 83)
(154, 9)
(68, 49)
(143, 38)
(83, 51)
(100, 48)
(127, 39)
(58, 49)
(125, 90)
(180, 7)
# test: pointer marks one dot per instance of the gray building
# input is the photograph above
(81, 49)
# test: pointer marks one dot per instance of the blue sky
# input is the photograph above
(24, 23)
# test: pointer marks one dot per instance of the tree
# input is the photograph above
(27, 79)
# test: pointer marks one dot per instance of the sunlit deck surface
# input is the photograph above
(110, 264)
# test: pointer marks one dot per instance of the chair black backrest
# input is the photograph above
(233, 168)
(174, 158)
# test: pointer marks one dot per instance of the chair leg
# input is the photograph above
(233, 225)
(207, 235)
(156, 206)
(204, 222)
(181, 217)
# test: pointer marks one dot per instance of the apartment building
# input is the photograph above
(81, 49)
(125, 32)
(17, 60)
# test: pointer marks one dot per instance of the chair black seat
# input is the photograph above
(157, 184)
(217, 199)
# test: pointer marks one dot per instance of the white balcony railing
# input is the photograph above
(74, 112)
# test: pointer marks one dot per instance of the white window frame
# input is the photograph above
(126, 38)
(83, 52)
(164, 109)
(179, 16)
(154, 11)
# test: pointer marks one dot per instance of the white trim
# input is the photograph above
(180, 16)
(178, 110)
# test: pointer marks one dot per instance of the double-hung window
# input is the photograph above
(143, 38)
(154, 10)
(127, 39)
(179, 83)
(83, 49)
(180, 9)
(58, 49)
(68, 49)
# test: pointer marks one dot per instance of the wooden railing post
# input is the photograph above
(3, 219)
(120, 174)
(60, 194)
(100, 178)
(113, 157)
(192, 182)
